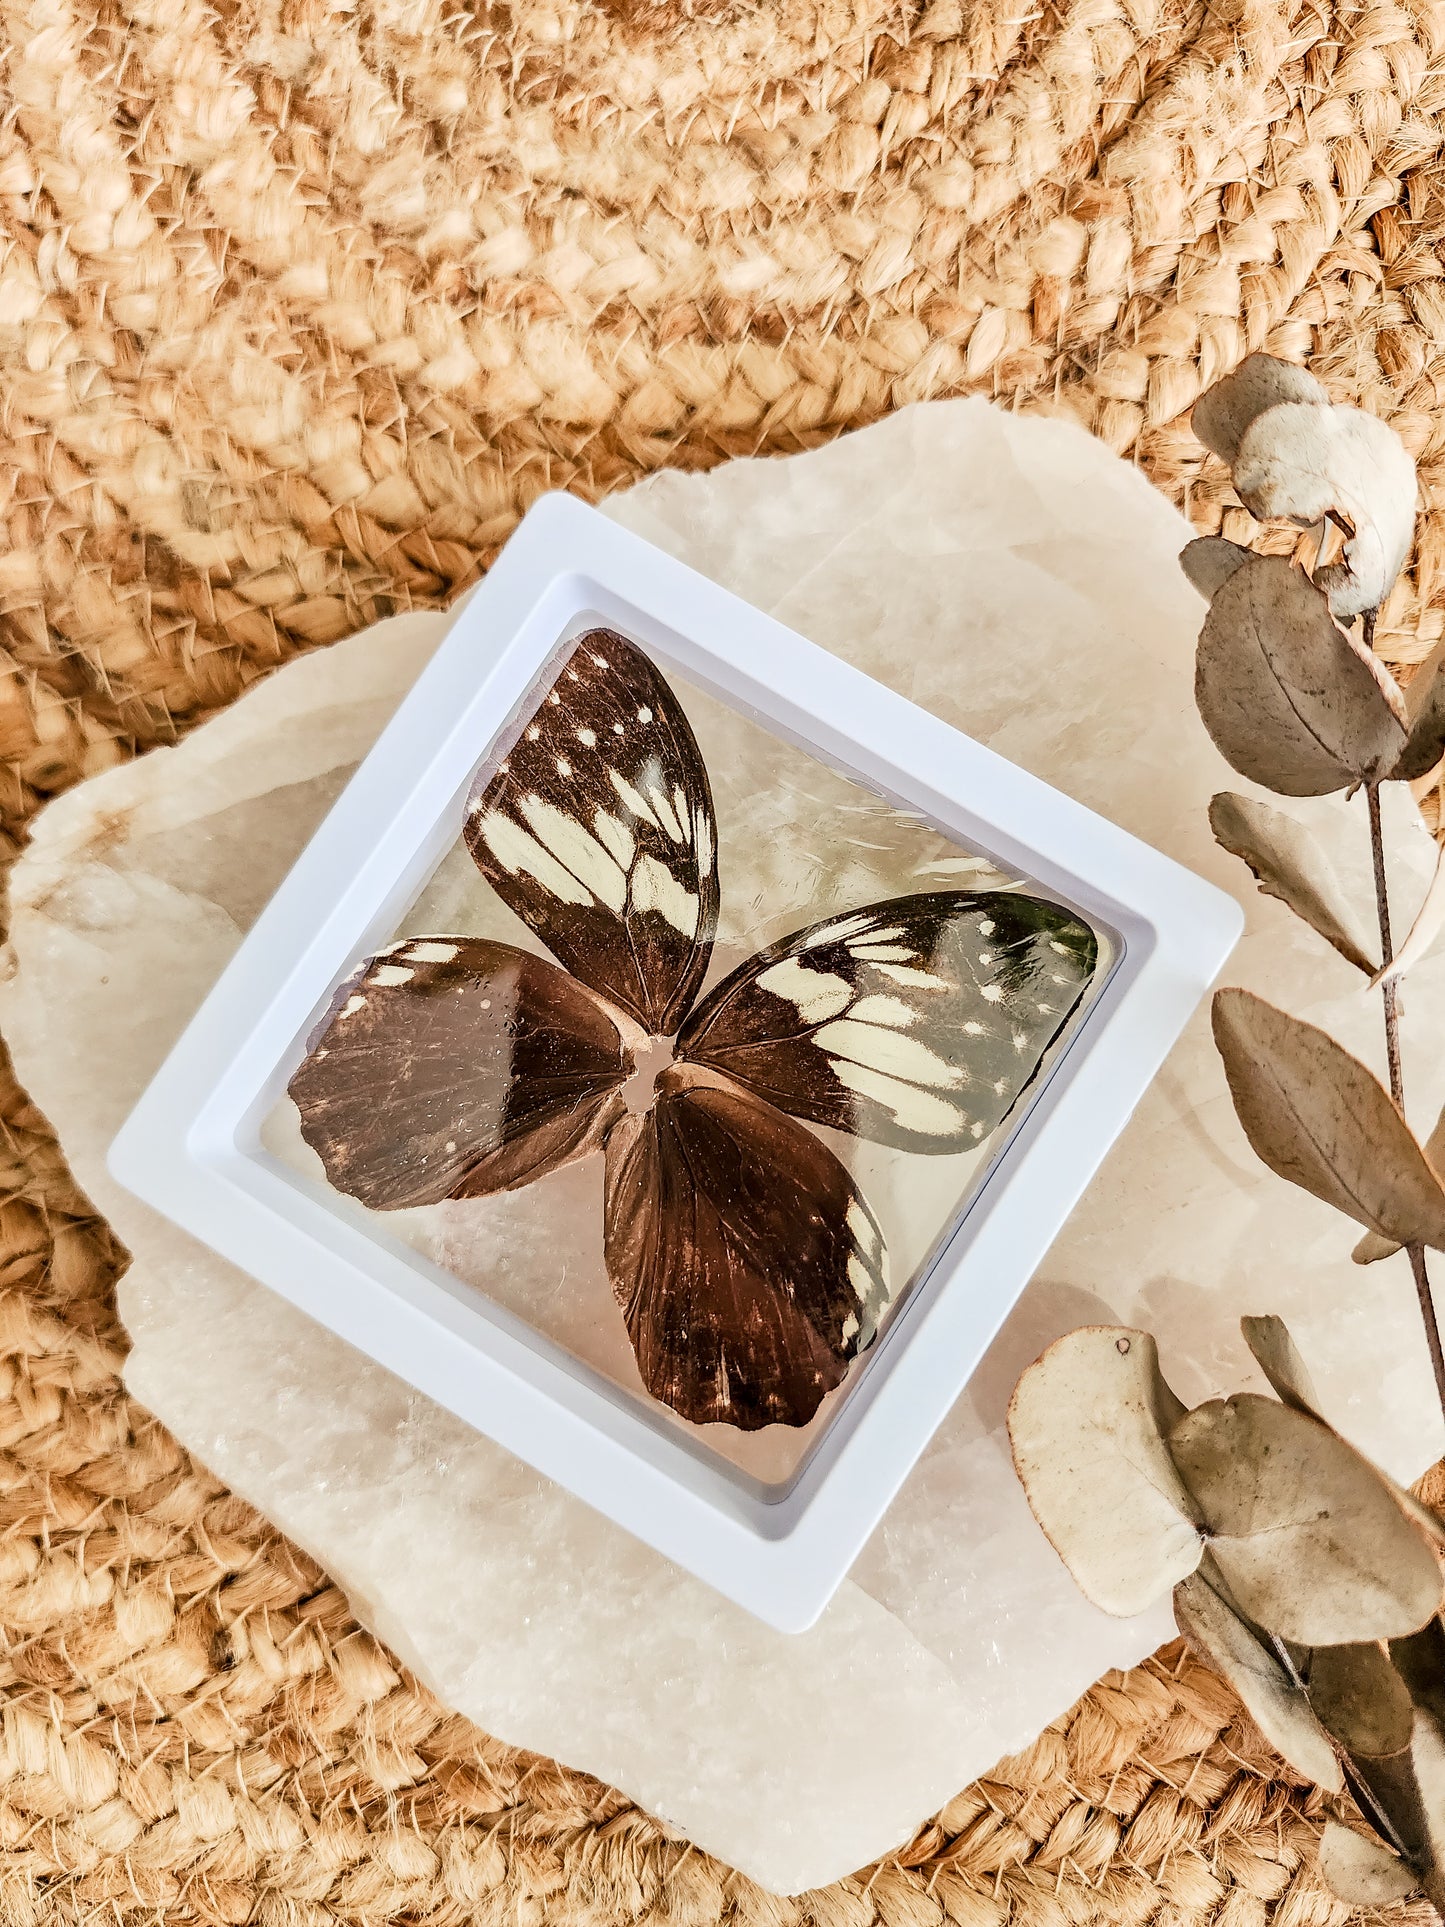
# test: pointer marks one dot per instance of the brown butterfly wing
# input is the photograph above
(451, 1067)
(748, 1267)
(916, 1022)
(597, 830)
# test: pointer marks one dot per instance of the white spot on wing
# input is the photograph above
(428, 952)
(881, 952)
(913, 979)
(638, 805)
(615, 837)
(564, 768)
(587, 738)
(662, 812)
(850, 1326)
(702, 842)
(816, 994)
(644, 715)
(574, 846)
(391, 977)
(992, 994)
(891, 1011)
(352, 1005)
(522, 855)
(834, 932)
(865, 1232)
(915, 1109)
(884, 1050)
(655, 888)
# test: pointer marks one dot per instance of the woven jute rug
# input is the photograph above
(300, 305)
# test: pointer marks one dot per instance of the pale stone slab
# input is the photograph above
(1016, 578)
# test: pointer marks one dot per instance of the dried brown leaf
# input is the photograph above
(1419, 1659)
(1316, 1116)
(1305, 462)
(1425, 719)
(1307, 1533)
(1362, 1701)
(1211, 560)
(1288, 700)
(1361, 1871)
(1427, 1759)
(1277, 1357)
(1372, 1247)
(1279, 1709)
(1224, 412)
(1086, 1423)
(1424, 931)
(1289, 864)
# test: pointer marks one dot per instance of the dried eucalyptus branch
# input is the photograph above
(1311, 1580)
(1302, 704)
(1390, 994)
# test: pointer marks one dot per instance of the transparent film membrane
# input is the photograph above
(797, 842)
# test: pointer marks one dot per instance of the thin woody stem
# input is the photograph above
(1390, 994)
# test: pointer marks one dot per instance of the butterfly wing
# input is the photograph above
(916, 1022)
(748, 1267)
(451, 1067)
(598, 831)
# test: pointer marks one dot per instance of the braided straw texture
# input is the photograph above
(299, 307)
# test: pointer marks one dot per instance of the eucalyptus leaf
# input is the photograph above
(1211, 560)
(1226, 411)
(1372, 1247)
(1427, 1757)
(1086, 1423)
(1277, 1357)
(1419, 1659)
(1360, 1870)
(1307, 1533)
(1316, 1116)
(1424, 931)
(1362, 1701)
(1425, 709)
(1278, 1707)
(1289, 864)
(1288, 700)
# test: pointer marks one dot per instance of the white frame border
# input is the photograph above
(191, 1148)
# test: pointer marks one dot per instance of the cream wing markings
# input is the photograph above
(598, 831)
(917, 1022)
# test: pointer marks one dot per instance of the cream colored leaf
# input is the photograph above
(1361, 1871)
(1277, 1706)
(1305, 462)
(1307, 1533)
(1316, 1116)
(1224, 412)
(1429, 922)
(1287, 698)
(1086, 1424)
(1211, 560)
(1276, 1355)
(1289, 864)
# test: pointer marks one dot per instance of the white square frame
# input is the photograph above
(192, 1149)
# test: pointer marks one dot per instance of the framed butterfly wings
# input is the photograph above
(598, 830)
(747, 1265)
(625, 1234)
